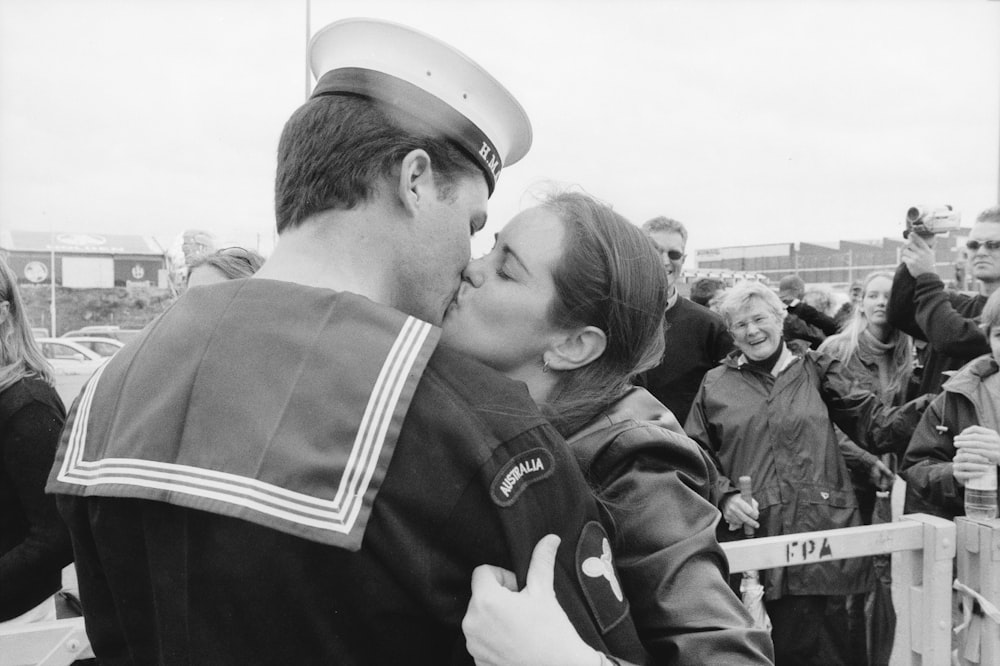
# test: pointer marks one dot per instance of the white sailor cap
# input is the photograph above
(426, 79)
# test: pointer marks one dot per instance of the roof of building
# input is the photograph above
(78, 243)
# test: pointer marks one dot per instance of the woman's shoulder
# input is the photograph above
(834, 344)
(625, 438)
(26, 391)
(30, 399)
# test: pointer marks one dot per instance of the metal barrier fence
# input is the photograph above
(56, 643)
(924, 561)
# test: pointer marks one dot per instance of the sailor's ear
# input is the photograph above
(416, 180)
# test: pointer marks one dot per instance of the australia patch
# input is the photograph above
(520, 472)
(595, 568)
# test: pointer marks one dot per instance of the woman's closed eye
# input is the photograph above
(502, 271)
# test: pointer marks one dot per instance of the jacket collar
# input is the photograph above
(738, 360)
(967, 379)
(637, 405)
(673, 298)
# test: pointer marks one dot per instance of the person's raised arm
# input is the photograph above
(860, 414)
(814, 317)
(901, 310)
(934, 312)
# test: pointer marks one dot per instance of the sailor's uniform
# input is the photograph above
(210, 466)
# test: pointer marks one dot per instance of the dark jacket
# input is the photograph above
(697, 339)
(779, 431)
(947, 320)
(34, 543)
(930, 483)
(863, 369)
(807, 324)
(323, 504)
(655, 483)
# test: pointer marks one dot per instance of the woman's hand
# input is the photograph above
(503, 626)
(977, 449)
(738, 512)
(880, 475)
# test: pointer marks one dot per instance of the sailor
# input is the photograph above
(288, 469)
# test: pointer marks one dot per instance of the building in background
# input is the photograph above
(837, 264)
(85, 260)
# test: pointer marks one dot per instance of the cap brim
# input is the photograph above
(431, 65)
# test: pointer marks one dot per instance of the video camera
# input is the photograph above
(928, 221)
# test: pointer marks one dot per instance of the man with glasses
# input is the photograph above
(697, 338)
(948, 321)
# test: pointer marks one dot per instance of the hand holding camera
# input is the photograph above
(918, 255)
(923, 223)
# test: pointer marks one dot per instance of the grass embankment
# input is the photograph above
(76, 308)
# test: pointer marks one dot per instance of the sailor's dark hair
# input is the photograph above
(336, 150)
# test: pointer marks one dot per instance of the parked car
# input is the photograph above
(114, 332)
(104, 346)
(73, 364)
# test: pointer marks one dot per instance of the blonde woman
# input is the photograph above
(877, 357)
(34, 544)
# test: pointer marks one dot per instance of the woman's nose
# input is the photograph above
(474, 273)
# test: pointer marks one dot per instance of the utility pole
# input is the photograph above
(52, 287)
(998, 149)
(308, 36)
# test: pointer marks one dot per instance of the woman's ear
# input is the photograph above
(416, 180)
(578, 348)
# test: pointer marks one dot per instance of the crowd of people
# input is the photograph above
(372, 448)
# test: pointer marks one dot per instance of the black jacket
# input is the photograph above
(656, 485)
(34, 543)
(927, 465)
(948, 321)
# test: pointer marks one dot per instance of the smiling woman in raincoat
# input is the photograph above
(768, 414)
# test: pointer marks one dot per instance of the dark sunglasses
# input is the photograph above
(989, 245)
(675, 255)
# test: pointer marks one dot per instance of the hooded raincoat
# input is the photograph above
(968, 398)
(778, 429)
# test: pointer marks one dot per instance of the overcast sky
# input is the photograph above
(751, 121)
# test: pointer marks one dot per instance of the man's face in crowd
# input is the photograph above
(984, 264)
(994, 339)
(441, 248)
(671, 247)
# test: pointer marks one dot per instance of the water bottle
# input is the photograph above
(981, 496)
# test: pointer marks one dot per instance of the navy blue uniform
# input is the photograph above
(247, 517)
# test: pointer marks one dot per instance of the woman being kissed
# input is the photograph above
(570, 301)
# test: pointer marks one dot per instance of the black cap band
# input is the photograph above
(419, 105)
